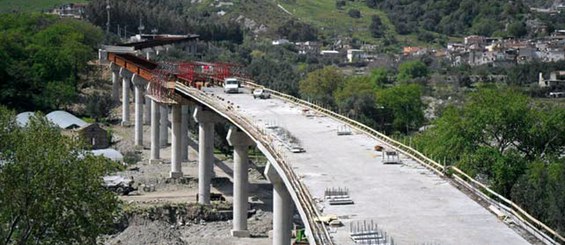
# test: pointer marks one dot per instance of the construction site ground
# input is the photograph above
(166, 191)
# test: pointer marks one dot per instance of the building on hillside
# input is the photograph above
(71, 10)
(410, 50)
(355, 55)
(280, 42)
(308, 47)
(556, 79)
(23, 118)
(91, 133)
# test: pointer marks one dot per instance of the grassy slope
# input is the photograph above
(32, 5)
(324, 14)
(334, 22)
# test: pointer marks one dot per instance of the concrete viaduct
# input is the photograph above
(412, 203)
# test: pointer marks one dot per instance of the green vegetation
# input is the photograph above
(51, 190)
(510, 142)
(32, 5)
(336, 22)
(173, 17)
(396, 108)
(449, 17)
(41, 58)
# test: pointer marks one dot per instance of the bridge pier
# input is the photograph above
(115, 81)
(206, 120)
(282, 208)
(138, 83)
(240, 142)
(147, 110)
(176, 168)
(184, 133)
(164, 131)
(125, 96)
(155, 144)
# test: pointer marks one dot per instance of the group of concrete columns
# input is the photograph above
(157, 114)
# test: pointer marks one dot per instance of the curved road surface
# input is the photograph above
(409, 202)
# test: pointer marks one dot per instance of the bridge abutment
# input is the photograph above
(282, 208)
(155, 144)
(206, 120)
(241, 143)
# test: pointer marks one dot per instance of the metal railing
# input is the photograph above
(306, 202)
(526, 221)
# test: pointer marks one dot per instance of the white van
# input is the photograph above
(231, 85)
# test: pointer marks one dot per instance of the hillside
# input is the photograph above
(32, 5)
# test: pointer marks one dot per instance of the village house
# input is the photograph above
(91, 133)
(71, 10)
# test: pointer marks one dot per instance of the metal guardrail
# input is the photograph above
(528, 222)
(318, 230)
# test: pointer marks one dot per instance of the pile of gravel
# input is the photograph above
(147, 233)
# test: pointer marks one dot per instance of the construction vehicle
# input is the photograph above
(119, 184)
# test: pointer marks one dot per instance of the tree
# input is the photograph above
(412, 69)
(406, 105)
(98, 105)
(41, 59)
(376, 28)
(517, 29)
(339, 4)
(371, 3)
(51, 190)
(356, 99)
(379, 77)
(320, 85)
(354, 13)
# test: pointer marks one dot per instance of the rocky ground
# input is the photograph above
(162, 190)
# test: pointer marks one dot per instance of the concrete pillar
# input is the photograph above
(147, 110)
(240, 142)
(206, 120)
(176, 168)
(282, 208)
(115, 85)
(125, 100)
(184, 133)
(155, 140)
(138, 116)
(164, 132)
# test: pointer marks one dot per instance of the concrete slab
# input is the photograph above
(409, 202)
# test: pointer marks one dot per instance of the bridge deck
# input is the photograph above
(410, 203)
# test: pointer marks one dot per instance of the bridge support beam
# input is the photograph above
(240, 142)
(155, 143)
(125, 97)
(282, 208)
(206, 120)
(184, 133)
(164, 131)
(176, 168)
